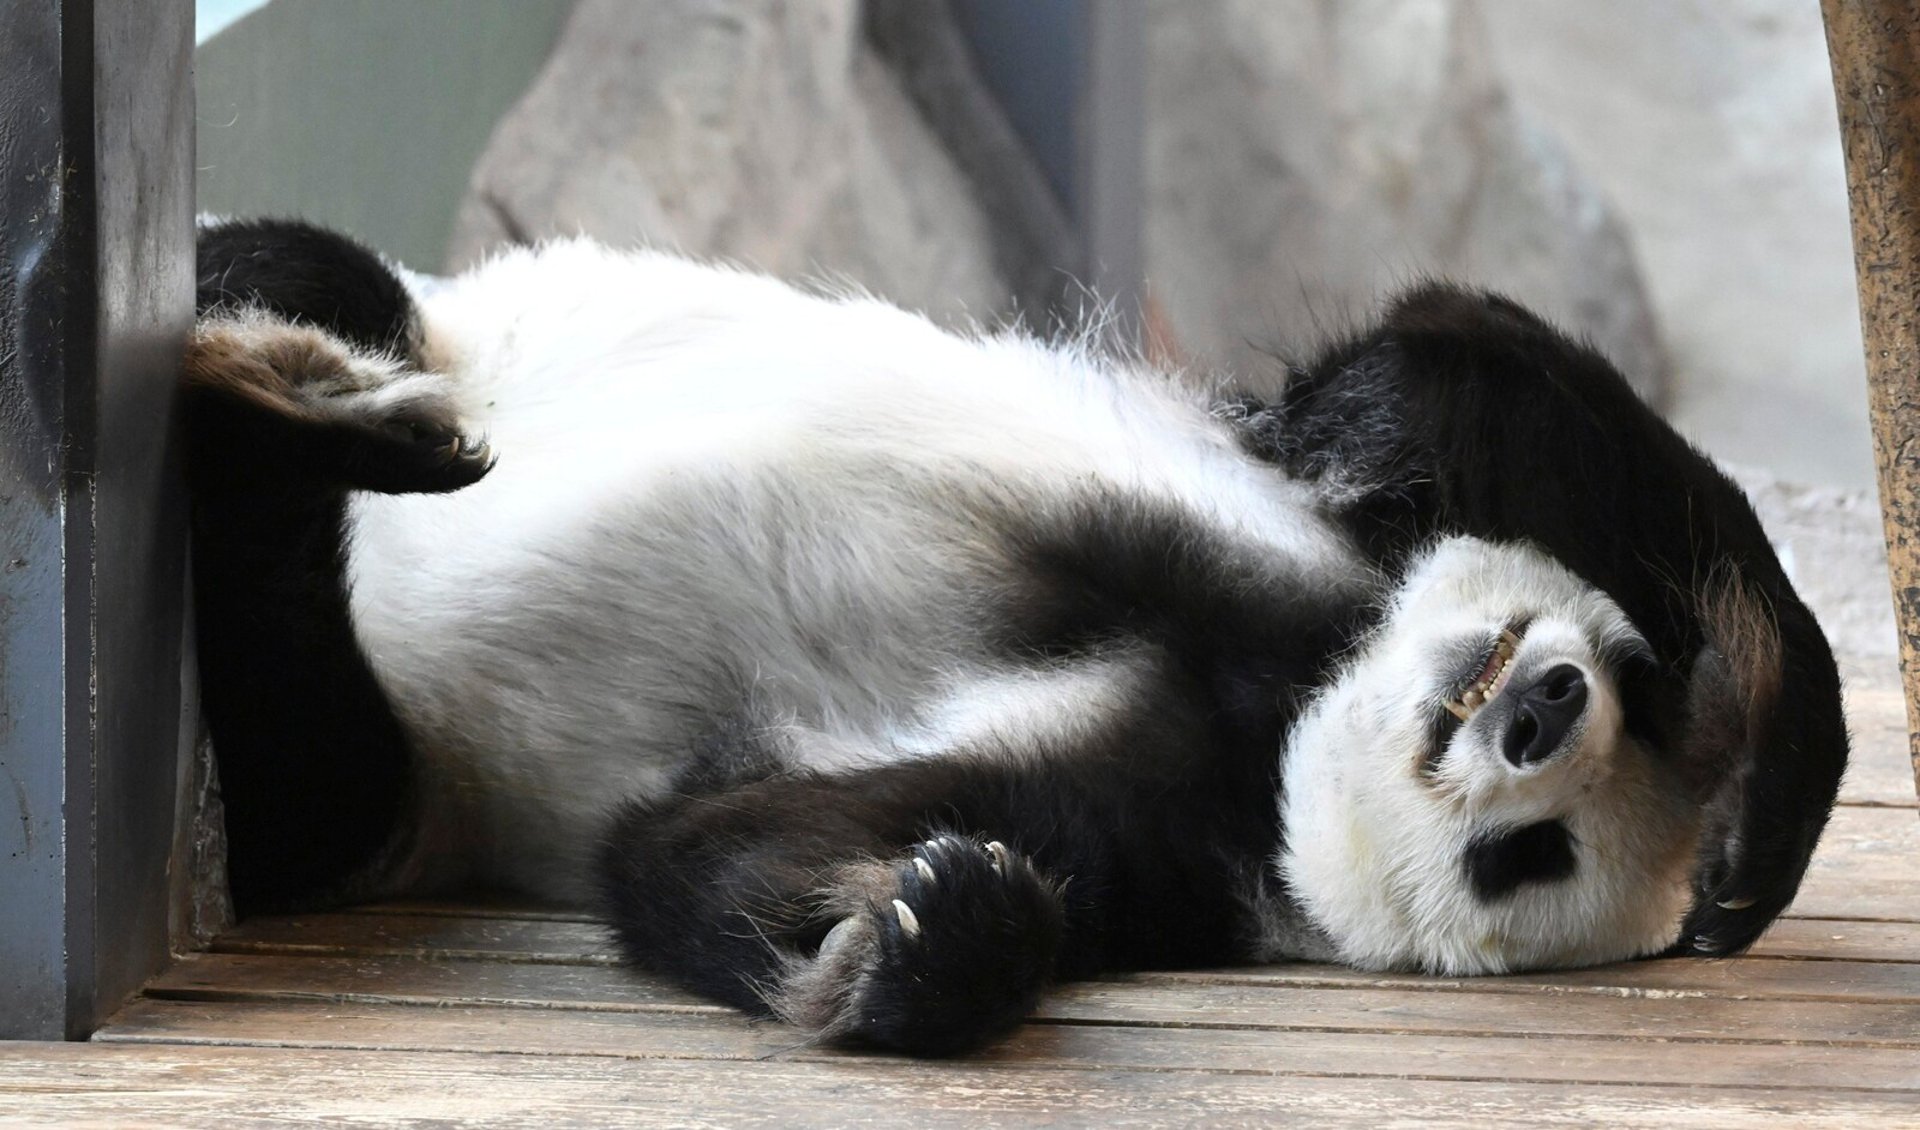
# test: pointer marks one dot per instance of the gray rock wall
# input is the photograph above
(1305, 158)
(1711, 126)
(760, 131)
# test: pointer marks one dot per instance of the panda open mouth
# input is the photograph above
(1490, 677)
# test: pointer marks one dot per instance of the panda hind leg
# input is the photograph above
(267, 396)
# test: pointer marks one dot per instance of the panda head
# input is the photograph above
(1482, 788)
(1702, 756)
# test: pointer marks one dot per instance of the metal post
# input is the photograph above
(1069, 78)
(96, 297)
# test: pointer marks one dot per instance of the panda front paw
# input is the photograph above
(937, 953)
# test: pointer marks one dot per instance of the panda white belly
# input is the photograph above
(724, 498)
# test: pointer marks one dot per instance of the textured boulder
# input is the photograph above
(760, 131)
(1712, 128)
(1304, 158)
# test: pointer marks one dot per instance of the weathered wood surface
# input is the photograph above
(1820, 1027)
(503, 1013)
(1815, 1014)
(1889, 973)
(1865, 870)
(1878, 772)
(1841, 939)
(1251, 1050)
(427, 935)
(1874, 46)
(1865, 867)
(113, 1085)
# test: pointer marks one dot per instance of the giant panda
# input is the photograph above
(875, 676)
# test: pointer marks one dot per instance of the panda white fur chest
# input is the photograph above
(721, 497)
(877, 675)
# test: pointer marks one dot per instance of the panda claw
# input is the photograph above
(925, 869)
(837, 937)
(909, 923)
(1001, 856)
(1737, 903)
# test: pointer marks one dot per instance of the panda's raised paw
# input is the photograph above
(273, 398)
(416, 445)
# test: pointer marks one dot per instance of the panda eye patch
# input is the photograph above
(1502, 860)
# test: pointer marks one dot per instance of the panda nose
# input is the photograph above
(1547, 711)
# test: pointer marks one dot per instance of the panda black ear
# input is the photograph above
(1460, 411)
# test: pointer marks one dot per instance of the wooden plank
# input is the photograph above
(1867, 866)
(410, 980)
(549, 945)
(1086, 1047)
(1690, 978)
(1841, 939)
(1463, 1012)
(1874, 47)
(118, 1085)
(480, 905)
(424, 935)
(1878, 771)
(1199, 1003)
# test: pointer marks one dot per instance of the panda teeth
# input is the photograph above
(1477, 694)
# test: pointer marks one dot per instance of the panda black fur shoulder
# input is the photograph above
(875, 676)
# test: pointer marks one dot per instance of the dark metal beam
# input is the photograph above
(1043, 104)
(96, 252)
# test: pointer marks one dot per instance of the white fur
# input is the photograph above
(713, 487)
(719, 496)
(1374, 845)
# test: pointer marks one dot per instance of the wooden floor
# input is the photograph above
(480, 1016)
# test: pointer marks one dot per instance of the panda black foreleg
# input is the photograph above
(303, 382)
(838, 904)
(925, 906)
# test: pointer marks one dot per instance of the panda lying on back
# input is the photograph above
(876, 676)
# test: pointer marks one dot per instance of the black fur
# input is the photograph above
(1146, 832)
(1499, 862)
(1142, 843)
(314, 767)
(307, 275)
(1463, 412)
(1153, 831)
